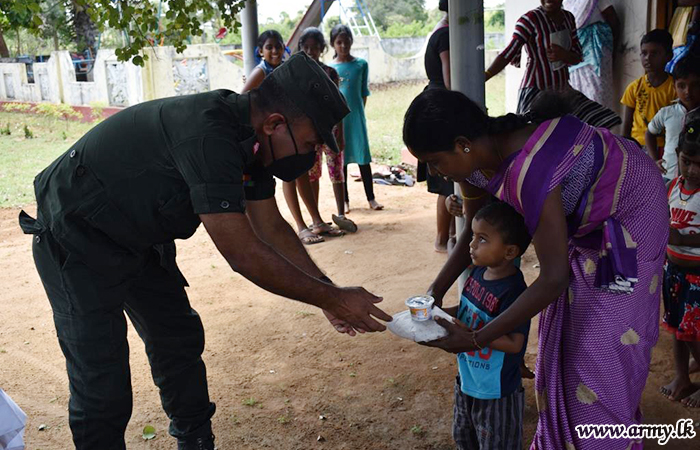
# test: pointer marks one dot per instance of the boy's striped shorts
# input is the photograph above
(488, 424)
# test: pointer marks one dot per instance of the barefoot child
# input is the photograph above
(354, 84)
(489, 397)
(313, 44)
(271, 50)
(681, 287)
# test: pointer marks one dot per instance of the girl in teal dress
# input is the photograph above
(354, 85)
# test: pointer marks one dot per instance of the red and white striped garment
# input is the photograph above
(533, 30)
(685, 212)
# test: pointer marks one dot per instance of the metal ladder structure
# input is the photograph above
(356, 14)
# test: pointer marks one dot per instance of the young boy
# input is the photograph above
(682, 271)
(686, 79)
(645, 96)
(489, 398)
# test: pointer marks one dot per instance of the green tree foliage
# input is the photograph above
(139, 20)
(56, 26)
(84, 29)
(388, 12)
(495, 20)
(415, 28)
(15, 14)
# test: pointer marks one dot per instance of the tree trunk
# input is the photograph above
(85, 30)
(4, 51)
(55, 40)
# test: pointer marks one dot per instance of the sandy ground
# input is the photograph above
(375, 391)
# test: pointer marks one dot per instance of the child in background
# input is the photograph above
(489, 397)
(686, 79)
(549, 35)
(681, 287)
(271, 50)
(313, 44)
(354, 84)
(645, 96)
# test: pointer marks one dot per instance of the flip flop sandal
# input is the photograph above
(345, 224)
(308, 237)
(325, 229)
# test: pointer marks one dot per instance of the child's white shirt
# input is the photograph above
(671, 119)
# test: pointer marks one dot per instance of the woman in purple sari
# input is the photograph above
(596, 208)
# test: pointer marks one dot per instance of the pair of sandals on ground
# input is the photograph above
(317, 232)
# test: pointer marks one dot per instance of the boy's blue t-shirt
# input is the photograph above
(490, 374)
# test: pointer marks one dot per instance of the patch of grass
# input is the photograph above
(417, 430)
(21, 159)
(250, 402)
(385, 110)
(283, 419)
(388, 104)
(496, 95)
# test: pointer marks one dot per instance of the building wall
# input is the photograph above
(14, 85)
(165, 74)
(383, 67)
(403, 47)
(634, 17)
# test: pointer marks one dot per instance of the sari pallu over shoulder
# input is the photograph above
(528, 176)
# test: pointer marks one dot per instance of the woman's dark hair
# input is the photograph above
(689, 140)
(508, 222)
(443, 5)
(438, 116)
(314, 34)
(337, 31)
(269, 34)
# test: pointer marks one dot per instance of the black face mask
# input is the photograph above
(290, 167)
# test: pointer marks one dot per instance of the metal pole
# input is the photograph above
(249, 24)
(467, 62)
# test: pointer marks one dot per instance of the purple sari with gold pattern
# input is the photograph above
(595, 340)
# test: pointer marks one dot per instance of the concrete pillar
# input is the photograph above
(467, 61)
(249, 23)
(148, 81)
